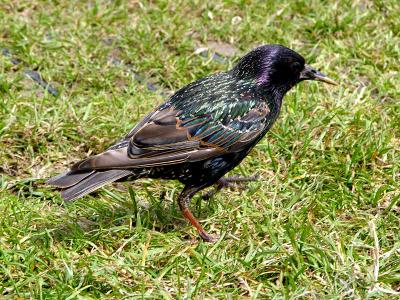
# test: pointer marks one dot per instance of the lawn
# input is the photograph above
(323, 221)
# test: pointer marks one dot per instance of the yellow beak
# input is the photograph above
(310, 73)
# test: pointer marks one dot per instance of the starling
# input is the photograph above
(201, 132)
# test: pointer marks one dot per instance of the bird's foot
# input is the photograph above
(229, 182)
(204, 235)
(209, 238)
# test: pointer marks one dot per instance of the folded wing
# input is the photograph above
(191, 126)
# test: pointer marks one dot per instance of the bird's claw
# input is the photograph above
(209, 238)
(230, 182)
(237, 179)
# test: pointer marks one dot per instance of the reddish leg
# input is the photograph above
(184, 202)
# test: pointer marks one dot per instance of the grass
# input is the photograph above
(324, 221)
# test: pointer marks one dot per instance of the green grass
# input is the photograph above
(322, 223)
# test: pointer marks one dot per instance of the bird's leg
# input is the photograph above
(228, 182)
(184, 203)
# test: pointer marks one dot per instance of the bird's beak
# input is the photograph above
(310, 73)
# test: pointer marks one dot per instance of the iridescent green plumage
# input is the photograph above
(215, 99)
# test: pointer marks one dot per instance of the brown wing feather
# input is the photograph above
(160, 133)
(161, 139)
(164, 131)
(119, 159)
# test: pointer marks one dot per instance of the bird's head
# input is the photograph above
(277, 68)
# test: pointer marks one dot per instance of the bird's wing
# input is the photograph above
(187, 131)
(165, 138)
(230, 135)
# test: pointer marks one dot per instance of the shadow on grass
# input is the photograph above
(109, 212)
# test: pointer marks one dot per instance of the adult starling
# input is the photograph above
(201, 132)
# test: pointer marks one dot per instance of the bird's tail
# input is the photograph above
(78, 184)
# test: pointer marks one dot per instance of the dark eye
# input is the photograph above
(296, 67)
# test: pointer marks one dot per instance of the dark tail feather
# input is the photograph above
(68, 179)
(93, 182)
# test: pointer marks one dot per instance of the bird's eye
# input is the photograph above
(296, 67)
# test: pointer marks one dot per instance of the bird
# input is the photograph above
(199, 133)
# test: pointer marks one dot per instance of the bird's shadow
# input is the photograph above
(109, 209)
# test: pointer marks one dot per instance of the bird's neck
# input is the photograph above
(272, 96)
(270, 93)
